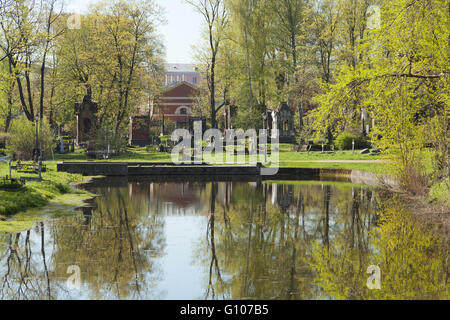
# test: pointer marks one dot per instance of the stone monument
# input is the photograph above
(86, 113)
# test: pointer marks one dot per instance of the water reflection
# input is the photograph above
(226, 240)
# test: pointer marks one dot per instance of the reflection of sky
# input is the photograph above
(177, 273)
(58, 287)
(182, 279)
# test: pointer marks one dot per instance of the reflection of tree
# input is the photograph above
(263, 241)
(214, 264)
(21, 276)
(44, 262)
(115, 245)
(411, 259)
(115, 251)
(264, 248)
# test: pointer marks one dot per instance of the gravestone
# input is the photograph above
(140, 130)
(86, 113)
(283, 120)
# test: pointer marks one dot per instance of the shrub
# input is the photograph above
(345, 139)
(10, 185)
(440, 192)
(23, 137)
(117, 143)
(169, 126)
(4, 138)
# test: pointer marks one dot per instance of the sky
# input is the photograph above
(180, 33)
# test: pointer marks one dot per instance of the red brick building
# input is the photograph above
(176, 102)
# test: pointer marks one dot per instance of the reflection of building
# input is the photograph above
(283, 120)
(282, 196)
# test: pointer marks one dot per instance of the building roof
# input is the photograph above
(181, 68)
(186, 86)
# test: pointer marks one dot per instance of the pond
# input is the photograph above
(295, 240)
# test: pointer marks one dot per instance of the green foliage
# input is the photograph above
(401, 81)
(169, 126)
(412, 261)
(10, 185)
(344, 141)
(23, 137)
(106, 138)
(4, 137)
(14, 201)
(440, 192)
(117, 56)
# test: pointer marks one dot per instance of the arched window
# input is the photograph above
(183, 110)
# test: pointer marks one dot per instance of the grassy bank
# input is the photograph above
(378, 168)
(20, 207)
(287, 158)
(55, 190)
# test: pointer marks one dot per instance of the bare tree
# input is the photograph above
(216, 17)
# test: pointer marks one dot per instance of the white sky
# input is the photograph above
(182, 31)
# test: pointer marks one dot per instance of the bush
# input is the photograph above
(117, 143)
(4, 138)
(23, 137)
(345, 139)
(10, 185)
(440, 192)
(169, 126)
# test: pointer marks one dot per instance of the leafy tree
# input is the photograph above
(399, 75)
(28, 32)
(23, 137)
(116, 57)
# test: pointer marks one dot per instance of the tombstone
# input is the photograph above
(139, 131)
(61, 148)
(252, 146)
(285, 197)
(283, 120)
(86, 113)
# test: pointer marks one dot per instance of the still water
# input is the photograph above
(225, 240)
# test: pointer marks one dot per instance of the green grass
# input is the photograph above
(286, 155)
(15, 226)
(378, 168)
(287, 158)
(21, 206)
